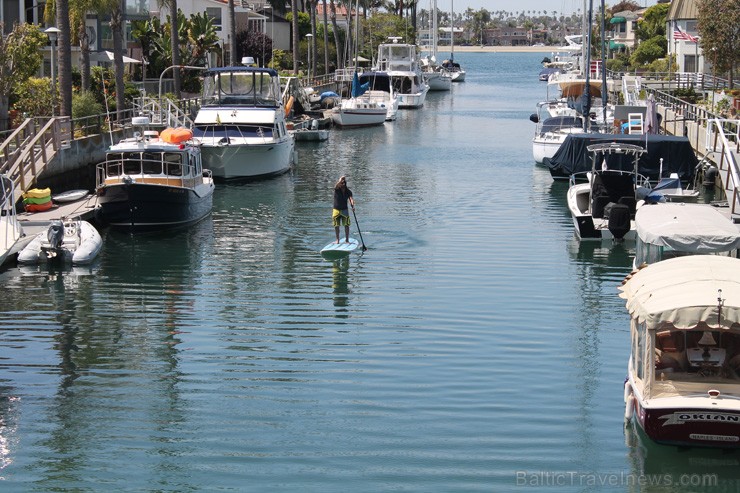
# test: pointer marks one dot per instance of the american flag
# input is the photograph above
(679, 34)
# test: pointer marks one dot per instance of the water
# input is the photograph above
(476, 346)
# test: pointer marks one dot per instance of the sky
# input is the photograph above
(564, 6)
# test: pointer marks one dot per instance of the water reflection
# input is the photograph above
(702, 469)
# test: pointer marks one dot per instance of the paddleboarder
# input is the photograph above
(340, 213)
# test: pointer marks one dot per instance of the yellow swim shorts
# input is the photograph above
(338, 217)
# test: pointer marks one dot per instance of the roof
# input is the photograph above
(683, 291)
(683, 9)
(694, 228)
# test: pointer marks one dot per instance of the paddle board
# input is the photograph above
(70, 196)
(341, 248)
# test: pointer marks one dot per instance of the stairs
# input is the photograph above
(30, 148)
(631, 90)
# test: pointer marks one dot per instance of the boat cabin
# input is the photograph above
(147, 159)
(241, 86)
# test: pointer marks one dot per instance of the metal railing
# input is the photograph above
(719, 140)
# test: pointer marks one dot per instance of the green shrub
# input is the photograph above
(32, 97)
(85, 104)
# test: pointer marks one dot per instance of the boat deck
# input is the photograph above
(79, 209)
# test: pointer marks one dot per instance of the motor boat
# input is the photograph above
(683, 373)
(400, 62)
(10, 228)
(603, 205)
(154, 181)
(71, 241)
(676, 229)
(241, 124)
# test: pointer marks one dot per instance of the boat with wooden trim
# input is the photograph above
(153, 182)
(683, 374)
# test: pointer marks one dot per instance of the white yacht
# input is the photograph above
(400, 61)
(360, 109)
(241, 124)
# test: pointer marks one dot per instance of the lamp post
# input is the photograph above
(53, 34)
(308, 53)
(272, 41)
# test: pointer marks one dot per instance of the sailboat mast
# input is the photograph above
(587, 91)
(604, 88)
(452, 30)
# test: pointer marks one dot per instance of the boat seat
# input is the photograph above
(598, 206)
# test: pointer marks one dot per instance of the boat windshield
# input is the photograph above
(648, 253)
(698, 355)
(252, 88)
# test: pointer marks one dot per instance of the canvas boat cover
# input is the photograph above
(694, 228)
(678, 155)
(683, 291)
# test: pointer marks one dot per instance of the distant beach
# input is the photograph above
(501, 49)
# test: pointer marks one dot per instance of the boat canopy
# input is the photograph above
(691, 228)
(379, 81)
(684, 292)
(677, 154)
(241, 86)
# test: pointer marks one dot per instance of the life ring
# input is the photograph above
(289, 106)
(629, 406)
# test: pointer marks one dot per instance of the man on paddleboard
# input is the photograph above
(340, 214)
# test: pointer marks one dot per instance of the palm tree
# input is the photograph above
(326, 40)
(57, 13)
(294, 11)
(335, 28)
(117, 23)
(232, 33)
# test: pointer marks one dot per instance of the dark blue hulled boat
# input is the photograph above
(154, 182)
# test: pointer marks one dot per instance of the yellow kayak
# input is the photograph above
(37, 193)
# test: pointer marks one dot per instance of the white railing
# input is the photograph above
(723, 137)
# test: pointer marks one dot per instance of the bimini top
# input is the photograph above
(684, 291)
(217, 70)
(691, 228)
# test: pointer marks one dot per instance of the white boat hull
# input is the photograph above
(585, 225)
(241, 159)
(438, 81)
(359, 112)
(80, 246)
(415, 100)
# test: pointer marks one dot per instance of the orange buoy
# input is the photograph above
(176, 135)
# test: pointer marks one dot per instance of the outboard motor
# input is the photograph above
(534, 118)
(55, 234)
(619, 220)
(710, 177)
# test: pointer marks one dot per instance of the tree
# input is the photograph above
(630, 5)
(649, 51)
(653, 22)
(19, 60)
(719, 29)
(294, 12)
(64, 49)
(117, 23)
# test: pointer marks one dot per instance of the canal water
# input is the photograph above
(475, 346)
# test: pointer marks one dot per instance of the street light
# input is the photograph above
(308, 52)
(53, 34)
(272, 42)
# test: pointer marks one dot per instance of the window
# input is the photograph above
(173, 163)
(132, 163)
(215, 14)
(151, 163)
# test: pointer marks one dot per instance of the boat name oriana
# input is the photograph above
(679, 418)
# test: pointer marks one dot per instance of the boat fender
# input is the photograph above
(629, 400)
(289, 105)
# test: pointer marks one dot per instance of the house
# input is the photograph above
(623, 27)
(683, 38)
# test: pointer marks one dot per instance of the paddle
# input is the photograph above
(364, 248)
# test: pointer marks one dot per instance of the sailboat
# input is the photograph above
(437, 77)
(458, 74)
(359, 110)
